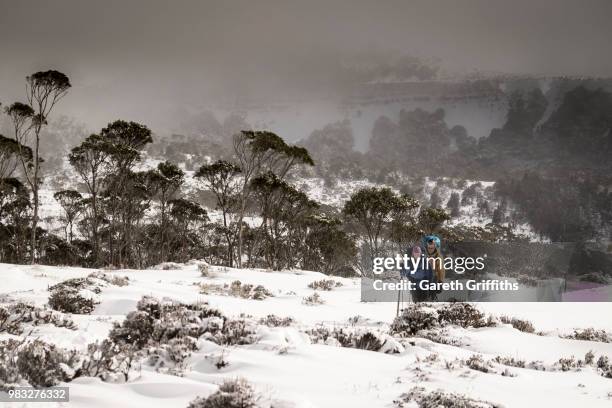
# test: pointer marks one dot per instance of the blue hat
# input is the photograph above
(428, 238)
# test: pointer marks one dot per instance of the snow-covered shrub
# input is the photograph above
(76, 296)
(171, 357)
(604, 367)
(414, 318)
(522, 325)
(136, 329)
(167, 266)
(569, 363)
(9, 373)
(44, 365)
(204, 270)
(439, 398)
(440, 336)
(463, 315)
(591, 334)
(312, 300)
(109, 361)
(249, 291)
(603, 362)
(510, 361)
(110, 279)
(276, 321)
(89, 282)
(71, 301)
(236, 332)
(368, 341)
(260, 293)
(166, 332)
(324, 284)
(355, 338)
(8, 322)
(476, 362)
(14, 315)
(158, 322)
(589, 358)
(212, 289)
(231, 394)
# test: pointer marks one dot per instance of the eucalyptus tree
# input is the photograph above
(221, 177)
(43, 90)
(259, 152)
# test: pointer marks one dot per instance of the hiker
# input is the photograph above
(435, 260)
(417, 275)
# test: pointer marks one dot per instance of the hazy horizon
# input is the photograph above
(150, 60)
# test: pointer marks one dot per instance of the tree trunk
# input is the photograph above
(35, 194)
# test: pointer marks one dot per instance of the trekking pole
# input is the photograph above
(398, 302)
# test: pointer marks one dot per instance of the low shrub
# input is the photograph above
(569, 363)
(110, 279)
(324, 284)
(433, 399)
(35, 363)
(522, 325)
(14, 315)
(276, 321)
(76, 295)
(413, 319)
(71, 301)
(231, 394)
(312, 300)
(510, 361)
(248, 291)
(109, 361)
(463, 315)
(355, 338)
(590, 334)
(476, 362)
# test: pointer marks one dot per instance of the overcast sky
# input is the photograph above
(146, 57)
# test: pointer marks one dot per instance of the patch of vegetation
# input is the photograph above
(522, 325)
(276, 321)
(312, 300)
(590, 334)
(14, 315)
(439, 398)
(236, 393)
(36, 363)
(324, 284)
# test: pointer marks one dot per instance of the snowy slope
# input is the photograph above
(287, 369)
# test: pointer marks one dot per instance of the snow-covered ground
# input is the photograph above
(284, 365)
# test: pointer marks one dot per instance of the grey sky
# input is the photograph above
(146, 57)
